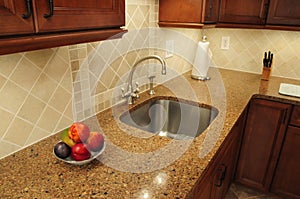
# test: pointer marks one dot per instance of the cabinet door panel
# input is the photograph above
(287, 175)
(264, 131)
(211, 11)
(247, 11)
(11, 20)
(180, 11)
(79, 15)
(284, 12)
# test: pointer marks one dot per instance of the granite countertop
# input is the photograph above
(136, 164)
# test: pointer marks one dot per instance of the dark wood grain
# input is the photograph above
(265, 127)
(284, 12)
(244, 12)
(287, 175)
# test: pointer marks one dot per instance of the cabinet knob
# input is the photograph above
(51, 10)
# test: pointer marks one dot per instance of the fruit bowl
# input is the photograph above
(70, 160)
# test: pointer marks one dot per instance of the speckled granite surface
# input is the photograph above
(136, 164)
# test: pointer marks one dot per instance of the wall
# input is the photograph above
(37, 98)
(247, 48)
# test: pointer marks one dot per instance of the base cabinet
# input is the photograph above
(287, 175)
(262, 139)
(215, 182)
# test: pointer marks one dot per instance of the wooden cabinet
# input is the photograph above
(284, 12)
(211, 14)
(78, 15)
(287, 173)
(264, 131)
(181, 13)
(243, 12)
(48, 23)
(14, 18)
(215, 181)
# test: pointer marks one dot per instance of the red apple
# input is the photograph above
(95, 141)
(79, 132)
(80, 152)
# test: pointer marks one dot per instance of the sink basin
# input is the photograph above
(171, 118)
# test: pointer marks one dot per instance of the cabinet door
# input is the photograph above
(78, 15)
(181, 11)
(226, 165)
(12, 20)
(211, 11)
(287, 175)
(284, 12)
(243, 12)
(265, 126)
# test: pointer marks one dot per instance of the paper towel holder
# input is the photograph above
(197, 77)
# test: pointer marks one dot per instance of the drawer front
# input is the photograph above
(295, 119)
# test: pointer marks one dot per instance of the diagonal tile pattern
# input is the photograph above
(38, 88)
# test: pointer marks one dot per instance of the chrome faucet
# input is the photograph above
(131, 93)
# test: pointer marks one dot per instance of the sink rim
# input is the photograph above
(170, 98)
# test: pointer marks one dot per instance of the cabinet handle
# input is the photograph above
(221, 175)
(51, 10)
(266, 13)
(28, 7)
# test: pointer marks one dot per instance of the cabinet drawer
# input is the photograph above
(295, 119)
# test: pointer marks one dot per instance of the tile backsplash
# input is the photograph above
(38, 89)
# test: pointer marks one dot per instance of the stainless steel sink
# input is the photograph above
(171, 118)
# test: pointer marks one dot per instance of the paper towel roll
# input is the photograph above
(201, 61)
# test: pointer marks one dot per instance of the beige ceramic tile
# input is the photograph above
(25, 74)
(63, 52)
(60, 99)
(49, 119)
(107, 77)
(2, 81)
(56, 68)
(5, 118)
(44, 87)
(63, 124)
(69, 111)
(66, 82)
(73, 54)
(19, 132)
(100, 88)
(36, 135)
(39, 57)
(12, 96)
(7, 148)
(8, 63)
(32, 109)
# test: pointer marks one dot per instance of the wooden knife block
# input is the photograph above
(266, 72)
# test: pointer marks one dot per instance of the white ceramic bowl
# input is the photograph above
(70, 160)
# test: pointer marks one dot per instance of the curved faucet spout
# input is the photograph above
(131, 94)
(161, 60)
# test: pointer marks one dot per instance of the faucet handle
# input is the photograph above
(136, 90)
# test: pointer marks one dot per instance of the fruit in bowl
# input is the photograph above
(95, 141)
(62, 150)
(78, 145)
(66, 139)
(79, 132)
(80, 152)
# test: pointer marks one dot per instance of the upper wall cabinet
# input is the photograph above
(60, 22)
(14, 17)
(284, 12)
(181, 13)
(211, 14)
(243, 12)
